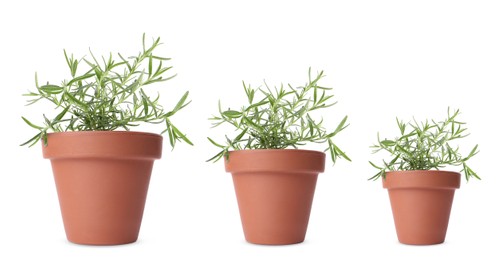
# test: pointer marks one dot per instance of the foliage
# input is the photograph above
(109, 95)
(280, 118)
(425, 146)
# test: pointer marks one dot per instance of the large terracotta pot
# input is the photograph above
(102, 180)
(275, 191)
(421, 204)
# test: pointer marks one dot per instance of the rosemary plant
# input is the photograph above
(425, 146)
(279, 118)
(108, 95)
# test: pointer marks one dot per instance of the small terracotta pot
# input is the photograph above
(275, 191)
(421, 204)
(102, 180)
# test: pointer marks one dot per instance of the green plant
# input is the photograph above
(279, 119)
(107, 96)
(425, 146)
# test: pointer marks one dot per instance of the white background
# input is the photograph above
(383, 58)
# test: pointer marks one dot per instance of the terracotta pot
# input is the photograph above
(421, 204)
(102, 180)
(275, 191)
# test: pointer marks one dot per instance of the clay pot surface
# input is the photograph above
(421, 204)
(275, 191)
(102, 180)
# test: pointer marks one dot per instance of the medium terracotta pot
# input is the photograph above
(421, 204)
(275, 191)
(102, 180)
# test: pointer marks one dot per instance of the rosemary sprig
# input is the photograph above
(425, 146)
(281, 117)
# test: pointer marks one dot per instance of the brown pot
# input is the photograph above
(275, 191)
(421, 204)
(102, 180)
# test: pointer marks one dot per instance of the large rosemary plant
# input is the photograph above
(107, 94)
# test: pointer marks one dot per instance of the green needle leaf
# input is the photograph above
(388, 143)
(341, 125)
(232, 114)
(31, 124)
(33, 140)
(215, 143)
(51, 89)
(83, 77)
(181, 104)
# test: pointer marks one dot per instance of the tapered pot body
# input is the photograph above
(102, 180)
(275, 191)
(421, 204)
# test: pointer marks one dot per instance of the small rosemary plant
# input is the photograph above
(425, 146)
(108, 95)
(279, 118)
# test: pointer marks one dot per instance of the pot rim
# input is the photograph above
(423, 171)
(435, 179)
(103, 144)
(275, 161)
(96, 133)
(290, 150)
